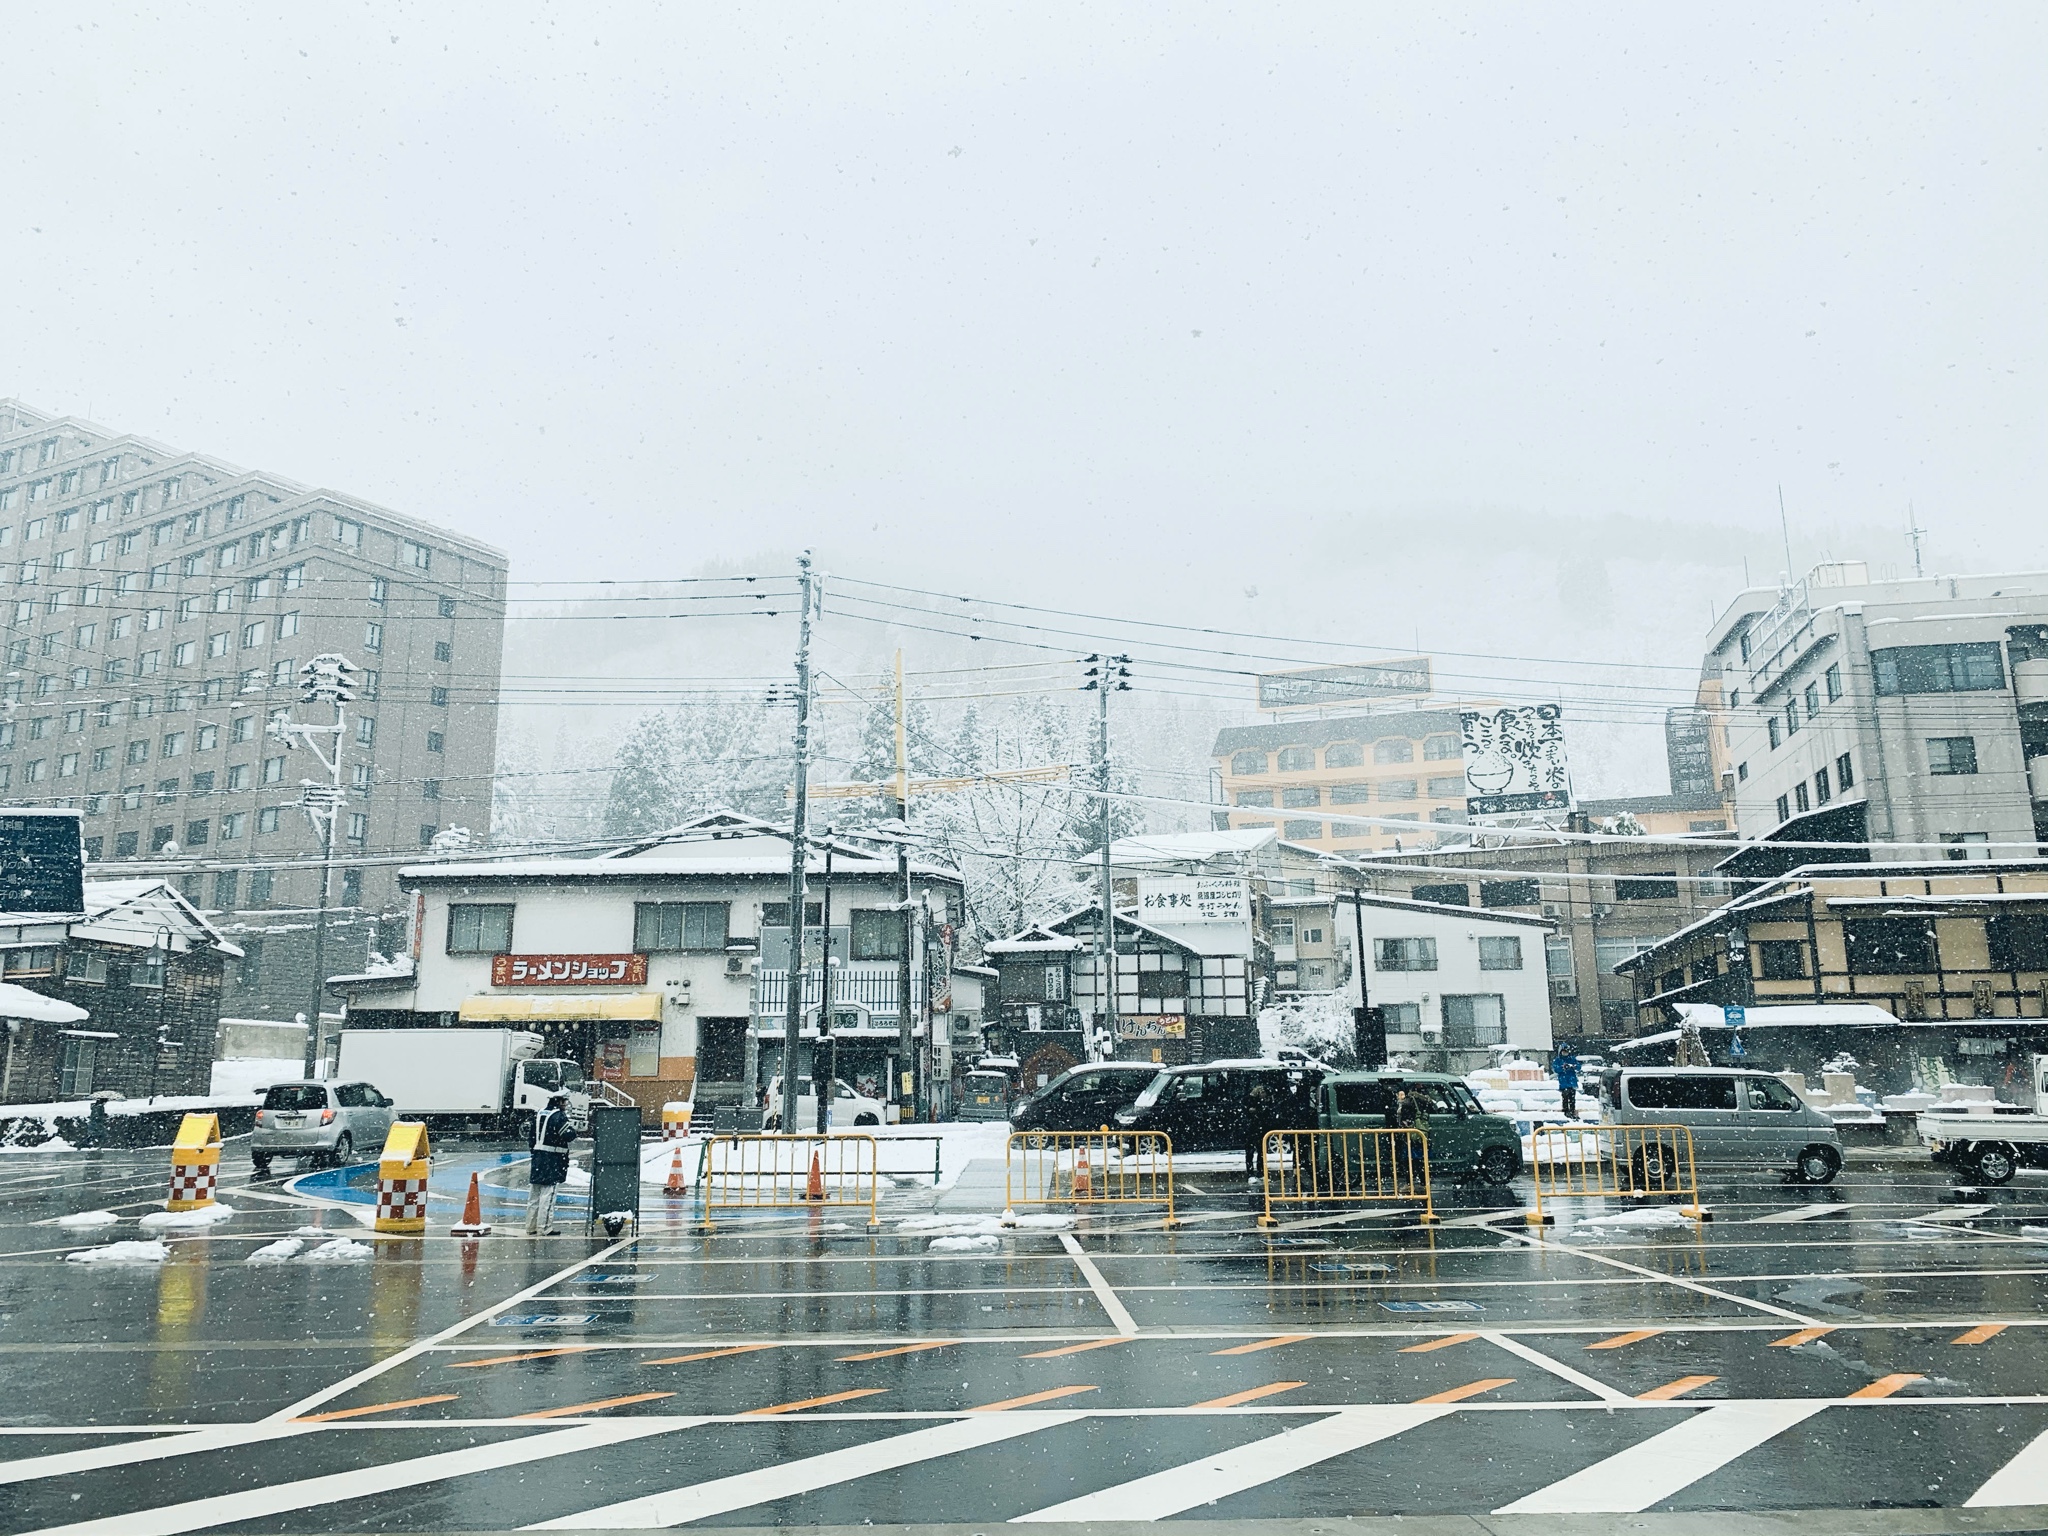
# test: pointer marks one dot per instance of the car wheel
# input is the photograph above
(865, 1120)
(260, 1166)
(1819, 1165)
(344, 1149)
(1655, 1169)
(1995, 1163)
(1497, 1165)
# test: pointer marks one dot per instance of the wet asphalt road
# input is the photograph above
(1876, 1345)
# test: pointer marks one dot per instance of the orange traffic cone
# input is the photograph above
(472, 1223)
(814, 1186)
(1084, 1187)
(674, 1189)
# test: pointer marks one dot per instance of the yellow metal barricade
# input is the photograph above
(759, 1173)
(1348, 1167)
(402, 1172)
(1088, 1168)
(195, 1163)
(1614, 1162)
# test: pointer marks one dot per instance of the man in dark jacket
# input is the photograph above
(549, 1165)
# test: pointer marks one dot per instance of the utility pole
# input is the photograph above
(793, 1011)
(1364, 1031)
(906, 1047)
(330, 679)
(1916, 533)
(824, 1063)
(1106, 674)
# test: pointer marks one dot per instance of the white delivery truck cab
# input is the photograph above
(478, 1079)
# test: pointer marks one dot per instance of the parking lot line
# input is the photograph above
(538, 1354)
(1470, 1389)
(1117, 1314)
(1445, 1342)
(900, 1349)
(813, 1402)
(601, 1404)
(1258, 1344)
(183, 1442)
(1050, 1394)
(1557, 1368)
(1630, 1481)
(1885, 1386)
(708, 1354)
(2023, 1480)
(1672, 1389)
(1803, 1336)
(1797, 1213)
(1979, 1334)
(357, 1413)
(1251, 1394)
(1075, 1349)
(1621, 1340)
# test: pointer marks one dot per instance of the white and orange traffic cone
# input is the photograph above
(674, 1189)
(472, 1223)
(814, 1186)
(1084, 1186)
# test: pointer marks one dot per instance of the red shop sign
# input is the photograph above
(568, 970)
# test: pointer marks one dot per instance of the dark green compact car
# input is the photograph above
(1465, 1142)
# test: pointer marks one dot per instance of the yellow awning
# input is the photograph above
(561, 1005)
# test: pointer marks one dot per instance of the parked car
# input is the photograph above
(1225, 1105)
(328, 1122)
(1083, 1098)
(1738, 1119)
(1464, 1140)
(849, 1108)
(983, 1096)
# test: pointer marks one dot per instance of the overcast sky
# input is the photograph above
(1490, 329)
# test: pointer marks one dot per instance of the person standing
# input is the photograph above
(1567, 1066)
(548, 1165)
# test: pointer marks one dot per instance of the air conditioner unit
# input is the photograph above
(735, 965)
(1564, 986)
(1550, 909)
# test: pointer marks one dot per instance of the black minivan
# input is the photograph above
(1221, 1106)
(1083, 1098)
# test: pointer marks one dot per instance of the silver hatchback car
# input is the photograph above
(328, 1122)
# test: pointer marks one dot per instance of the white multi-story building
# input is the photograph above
(1449, 978)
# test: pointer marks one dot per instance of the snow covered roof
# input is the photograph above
(136, 912)
(1784, 1015)
(1190, 847)
(733, 860)
(21, 1003)
(392, 973)
(1037, 939)
(1444, 909)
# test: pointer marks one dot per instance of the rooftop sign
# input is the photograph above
(1323, 687)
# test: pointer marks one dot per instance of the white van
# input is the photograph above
(1738, 1119)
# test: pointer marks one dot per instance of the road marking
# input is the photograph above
(1952, 1213)
(1622, 1340)
(1979, 1334)
(1470, 1389)
(1258, 1344)
(901, 1349)
(1798, 1213)
(188, 1442)
(1661, 1279)
(1163, 1494)
(1654, 1469)
(1030, 1399)
(1115, 1309)
(1803, 1336)
(1075, 1349)
(357, 1413)
(1672, 1389)
(211, 1514)
(1251, 1394)
(1443, 1343)
(1557, 1368)
(787, 1479)
(453, 1330)
(1885, 1386)
(538, 1354)
(814, 1402)
(708, 1354)
(2023, 1480)
(602, 1403)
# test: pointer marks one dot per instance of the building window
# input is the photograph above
(1812, 697)
(1791, 718)
(1951, 754)
(287, 625)
(1344, 754)
(1398, 789)
(1971, 668)
(1349, 794)
(1844, 778)
(196, 832)
(1781, 959)
(1247, 762)
(1833, 679)
(273, 770)
(438, 697)
(125, 844)
(1447, 788)
(373, 637)
(260, 882)
(161, 837)
(138, 752)
(1772, 729)
(267, 819)
(434, 741)
(2018, 940)
(418, 556)
(1475, 1019)
(233, 825)
(351, 887)
(366, 729)
(876, 935)
(1658, 887)
(380, 590)
(102, 759)
(1301, 831)
(358, 827)
(1966, 845)
(1404, 954)
(243, 729)
(1393, 749)
(1445, 895)
(447, 607)
(1300, 796)
(1799, 797)
(1889, 946)
(1442, 749)
(1501, 954)
(74, 1071)
(348, 533)
(476, 928)
(430, 789)
(1784, 807)
(1510, 893)
(1297, 759)
(1822, 794)
(1255, 797)
(676, 927)
(361, 776)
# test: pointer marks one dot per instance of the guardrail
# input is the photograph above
(1626, 1162)
(1347, 1167)
(788, 1173)
(1088, 1168)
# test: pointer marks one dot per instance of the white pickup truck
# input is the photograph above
(1990, 1141)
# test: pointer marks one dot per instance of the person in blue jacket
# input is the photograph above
(1566, 1065)
(548, 1166)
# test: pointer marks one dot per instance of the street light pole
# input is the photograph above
(330, 679)
(163, 987)
(1106, 674)
(793, 1009)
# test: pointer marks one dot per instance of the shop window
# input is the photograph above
(672, 927)
(476, 928)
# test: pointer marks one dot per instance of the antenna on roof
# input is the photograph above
(1916, 533)
(1785, 531)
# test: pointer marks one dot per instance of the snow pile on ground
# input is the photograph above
(52, 1144)
(121, 1253)
(579, 1177)
(341, 1250)
(311, 1232)
(85, 1219)
(982, 1226)
(205, 1216)
(983, 1244)
(277, 1252)
(1649, 1218)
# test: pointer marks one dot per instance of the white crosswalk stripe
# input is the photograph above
(2023, 1480)
(1162, 1494)
(155, 1448)
(1654, 1469)
(723, 1495)
(1798, 1213)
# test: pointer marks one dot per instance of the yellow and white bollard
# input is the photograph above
(675, 1120)
(195, 1163)
(402, 1181)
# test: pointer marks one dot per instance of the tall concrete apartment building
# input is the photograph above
(158, 606)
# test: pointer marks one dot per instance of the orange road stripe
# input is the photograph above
(814, 1402)
(357, 1413)
(906, 1349)
(1803, 1336)
(1443, 1343)
(1672, 1389)
(608, 1402)
(1258, 1344)
(1885, 1386)
(1470, 1389)
(538, 1354)
(708, 1354)
(1026, 1401)
(1979, 1334)
(1074, 1349)
(1622, 1340)
(1250, 1394)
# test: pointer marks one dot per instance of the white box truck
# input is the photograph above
(471, 1079)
